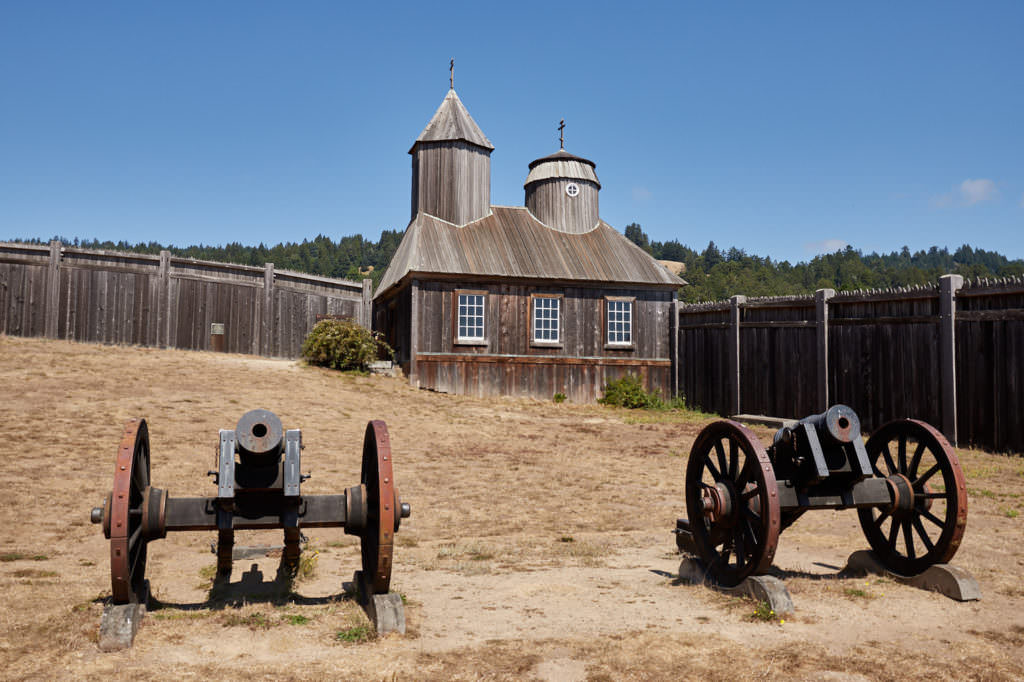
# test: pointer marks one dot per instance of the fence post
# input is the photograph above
(267, 311)
(734, 352)
(948, 286)
(53, 291)
(163, 304)
(366, 312)
(673, 346)
(821, 297)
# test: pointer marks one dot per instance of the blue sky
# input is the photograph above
(781, 128)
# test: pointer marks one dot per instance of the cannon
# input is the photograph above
(258, 483)
(905, 483)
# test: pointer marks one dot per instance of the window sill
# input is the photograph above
(546, 344)
(619, 346)
(470, 342)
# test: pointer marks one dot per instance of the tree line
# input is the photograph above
(713, 274)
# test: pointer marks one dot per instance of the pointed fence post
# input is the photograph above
(948, 286)
(366, 311)
(821, 297)
(734, 352)
(267, 312)
(673, 346)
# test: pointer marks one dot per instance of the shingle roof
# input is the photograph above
(562, 164)
(510, 242)
(451, 122)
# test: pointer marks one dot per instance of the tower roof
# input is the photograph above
(452, 122)
(562, 164)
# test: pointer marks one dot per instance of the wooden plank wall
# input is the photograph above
(884, 355)
(452, 181)
(778, 357)
(990, 364)
(124, 298)
(884, 358)
(702, 362)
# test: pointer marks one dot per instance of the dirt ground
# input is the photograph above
(539, 546)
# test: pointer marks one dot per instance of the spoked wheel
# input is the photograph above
(128, 504)
(378, 536)
(733, 502)
(926, 521)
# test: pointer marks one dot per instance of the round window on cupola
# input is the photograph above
(572, 189)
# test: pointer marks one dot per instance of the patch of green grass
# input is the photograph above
(762, 612)
(20, 556)
(307, 564)
(1011, 513)
(356, 634)
(33, 573)
(857, 593)
(296, 619)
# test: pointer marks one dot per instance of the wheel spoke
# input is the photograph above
(919, 527)
(722, 466)
(734, 460)
(744, 478)
(715, 474)
(915, 461)
(881, 518)
(888, 460)
(932, 517)
(894, 531)
(753, 492)
(741, 553)
(901, 453)
(931, 496)
(908, 538)
(923, 478)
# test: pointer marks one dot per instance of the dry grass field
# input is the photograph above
(539, 545)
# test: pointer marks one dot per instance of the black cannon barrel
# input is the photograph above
(259, 438)
(839, 422)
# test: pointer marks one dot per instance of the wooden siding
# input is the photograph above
(508, 363)
(158, 300)
(549, 203)
(511, 243)
(702, 363)
(451, 181)
(579, 379)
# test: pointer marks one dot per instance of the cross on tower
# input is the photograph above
(561, 134)
(451, 74)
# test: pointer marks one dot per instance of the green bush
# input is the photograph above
(629, 392)
(344, 345)
(559, 398)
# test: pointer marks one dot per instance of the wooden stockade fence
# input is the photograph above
(951, 355)
(160, 300)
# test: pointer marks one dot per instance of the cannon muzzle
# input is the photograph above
(259, 438)
(839, 422)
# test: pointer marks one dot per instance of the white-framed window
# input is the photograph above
(546, 319)
(619, 321)
(470, 316)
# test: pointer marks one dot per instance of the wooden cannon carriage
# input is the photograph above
(906, 484)
(258, 483)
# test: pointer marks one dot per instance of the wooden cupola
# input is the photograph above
(451, 166)
(561, 192)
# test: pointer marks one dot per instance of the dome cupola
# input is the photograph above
(561, 191)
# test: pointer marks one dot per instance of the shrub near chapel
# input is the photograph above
(343, 345)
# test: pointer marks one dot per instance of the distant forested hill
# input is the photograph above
(714, 274)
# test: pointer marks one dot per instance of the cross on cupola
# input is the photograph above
(451, 74)
(561, 134)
